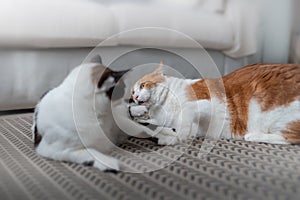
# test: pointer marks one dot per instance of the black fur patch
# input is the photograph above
(174, 129)
(145, 124)
(107, 73)
(130, 100)
(113, 171)
(152, 126)
(37, 137)
(116, 92)
(153, 139)
(119, 88)
(129, 111)
(88, 163)
(109, 92)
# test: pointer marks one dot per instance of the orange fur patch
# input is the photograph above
(198, 91)
(271, 85)
(292, 133)
(205, 88)
(151, 80)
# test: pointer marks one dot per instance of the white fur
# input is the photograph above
(76, 123)
(170, 107)
(267, 126)
(168, 104)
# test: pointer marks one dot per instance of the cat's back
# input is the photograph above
(53, 114)
(268, 93)
(272, 85)
(264, 73)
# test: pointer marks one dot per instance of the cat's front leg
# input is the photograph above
(140, 114)
(85, 156)
(166, 136)
(179, 132)
(185, 122)
(170, 136)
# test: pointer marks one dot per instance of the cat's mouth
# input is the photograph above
(142, 102)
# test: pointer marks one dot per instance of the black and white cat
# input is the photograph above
(73, 122)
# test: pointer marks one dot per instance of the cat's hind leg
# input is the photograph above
(84, 156)
(288, 133)
(272, 138)
(102, 161)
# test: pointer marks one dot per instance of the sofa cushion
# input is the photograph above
(55, 23)
(80, 23)
(210, 29)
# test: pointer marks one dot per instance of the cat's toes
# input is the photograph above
(108, 165)
(265, 138)
(251, 137)
(168, 132)
(167, 140)
(167, 136)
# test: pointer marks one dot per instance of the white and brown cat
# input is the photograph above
(259, 103)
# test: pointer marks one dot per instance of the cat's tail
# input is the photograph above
(36, 137)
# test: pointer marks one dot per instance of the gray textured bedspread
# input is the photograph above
(232, 170)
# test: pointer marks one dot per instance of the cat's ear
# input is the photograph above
(96, 59)
(159, 69)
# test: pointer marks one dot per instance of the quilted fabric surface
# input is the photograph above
(232, 170)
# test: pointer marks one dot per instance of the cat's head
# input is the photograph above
(142, 91)
(107, 80)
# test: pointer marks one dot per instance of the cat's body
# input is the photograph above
(74, 122)
(258, 103)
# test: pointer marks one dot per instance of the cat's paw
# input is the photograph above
(138, 112)
(251, 137)
(167, 140)
(167, 136)
(265, 138)
(107, 165)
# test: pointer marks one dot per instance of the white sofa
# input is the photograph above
(41, 41)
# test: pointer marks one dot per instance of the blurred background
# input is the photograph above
(41, 41)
